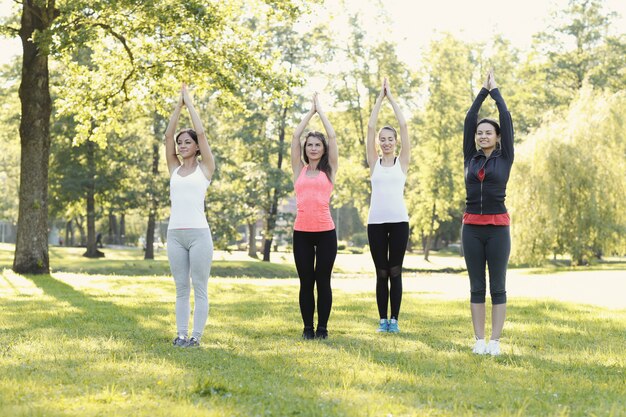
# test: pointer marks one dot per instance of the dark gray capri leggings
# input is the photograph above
(486, 245)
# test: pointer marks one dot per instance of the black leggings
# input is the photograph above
(387, 245)
(315, 253)
(489, 245)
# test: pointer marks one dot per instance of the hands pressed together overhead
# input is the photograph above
(490, 81)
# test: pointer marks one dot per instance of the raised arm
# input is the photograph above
(471, 119)
(506, 123)
(333, 151)
(296, 146)
(208, 161)
(405, 151)
(370, 143)
(170, 146)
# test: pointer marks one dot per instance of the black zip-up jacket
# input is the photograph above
(487, 197)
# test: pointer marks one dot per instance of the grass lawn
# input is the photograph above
(130, 261)
(94, 339)
(94, 345)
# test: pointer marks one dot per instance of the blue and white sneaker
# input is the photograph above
(383, 327)
(393, 326)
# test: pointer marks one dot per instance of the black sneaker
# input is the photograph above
(193, 342)
(321, 333)
(180, 341)
(308, 333)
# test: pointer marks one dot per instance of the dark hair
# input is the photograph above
(323, 165)
(395, 133)
(191, 133)
(491, 122)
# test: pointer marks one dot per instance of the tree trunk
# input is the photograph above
(113, 228)
(153, 203)
(122, 235)
(92, 248)
(252, 240)
(270, 222)
(409, 245)
(31, 248)
(81, 230)
(69, 233)
(149, 253)
(429, 237)
(461, 252)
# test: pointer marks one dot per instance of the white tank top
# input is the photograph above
(387, 201)
(187, 197)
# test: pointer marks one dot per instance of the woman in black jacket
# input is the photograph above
(488, 157)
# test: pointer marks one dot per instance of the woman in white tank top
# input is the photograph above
(189, 241)
(388, 220)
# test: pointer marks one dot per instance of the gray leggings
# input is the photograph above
(486, 245)
(190, 252)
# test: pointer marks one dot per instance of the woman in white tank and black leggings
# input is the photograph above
(189, 241)
(388, 220)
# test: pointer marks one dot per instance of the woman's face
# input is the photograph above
(387, 141)
(187, 147)
(314, 148)
(486, 137)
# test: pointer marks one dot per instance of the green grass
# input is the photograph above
(125, 261)
(95, 345)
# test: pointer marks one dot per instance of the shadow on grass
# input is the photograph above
(220, 374)
(253, 361)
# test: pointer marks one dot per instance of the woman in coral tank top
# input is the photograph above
(314, 165)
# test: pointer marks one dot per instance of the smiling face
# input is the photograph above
(186, 145)
(486, 137)
(387, 141)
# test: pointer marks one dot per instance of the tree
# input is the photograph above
(437, 188)
(31, 253)
(355, 90)
(128, 43)
(560, 198)
(154, 190)
(10, 121)
(579, 45)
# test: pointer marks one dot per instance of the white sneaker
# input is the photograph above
(493, 348)
(480, 347)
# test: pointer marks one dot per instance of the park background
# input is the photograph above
(82, 154)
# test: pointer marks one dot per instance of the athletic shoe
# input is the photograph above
(493, 348)
(180, 341)
(393, 326)
(383, 327)
(321, 333)
(480, 348)
(308, 333)
(193, 342)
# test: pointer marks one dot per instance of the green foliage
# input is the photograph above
(568, 185)
(9, 133)
(355, 90)
(117, 66)
(436, 188)
(579, 46)
(253, 362)
(141, 51)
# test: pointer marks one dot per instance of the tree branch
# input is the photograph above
(122, 40)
